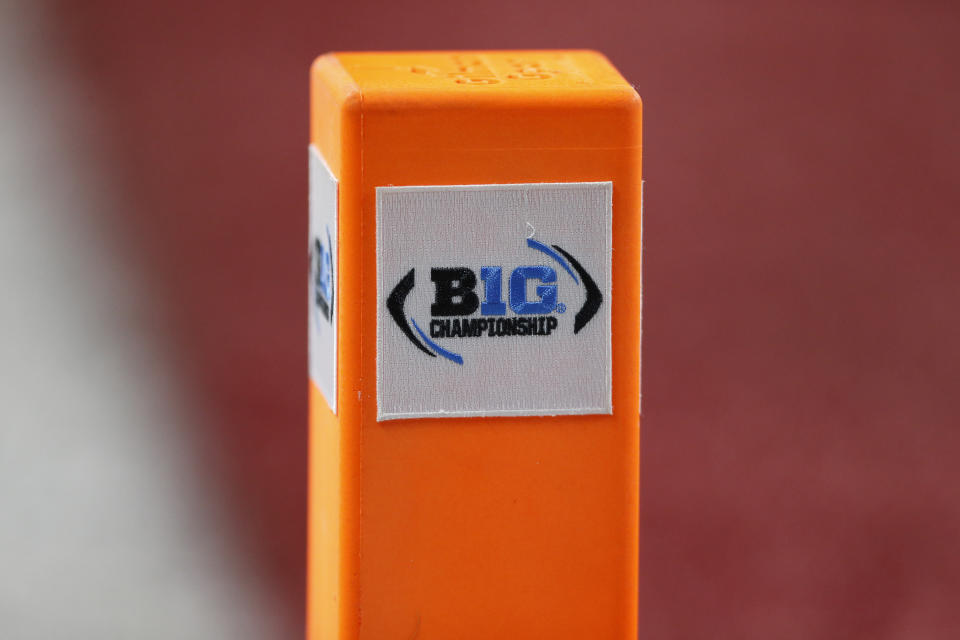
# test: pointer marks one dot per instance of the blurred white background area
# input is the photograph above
(109, 527)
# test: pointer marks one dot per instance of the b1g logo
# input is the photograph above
(321, 264)
(497, 304)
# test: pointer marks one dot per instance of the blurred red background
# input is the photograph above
(801, 430)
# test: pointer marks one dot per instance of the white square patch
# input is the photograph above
(323, 285)
(494, 300)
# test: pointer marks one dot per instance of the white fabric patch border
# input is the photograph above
(532, 226)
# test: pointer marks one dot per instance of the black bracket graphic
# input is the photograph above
(395, 305)
(594, 298)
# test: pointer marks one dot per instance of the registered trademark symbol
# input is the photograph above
(561, 307)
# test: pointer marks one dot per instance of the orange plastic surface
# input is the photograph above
(506, 528)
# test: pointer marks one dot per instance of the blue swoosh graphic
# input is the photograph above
(539, 246)
(433, 345)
